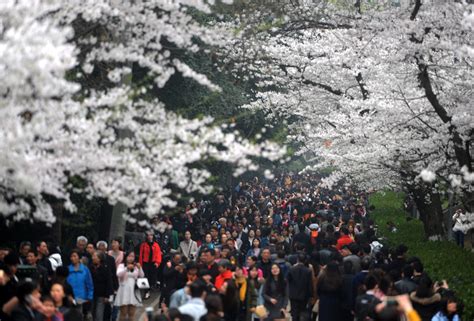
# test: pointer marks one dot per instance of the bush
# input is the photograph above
(442, 259)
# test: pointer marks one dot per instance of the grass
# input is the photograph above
(442, 259)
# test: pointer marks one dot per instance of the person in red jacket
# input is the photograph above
(224, 273)
(150, 259)
(344, 239)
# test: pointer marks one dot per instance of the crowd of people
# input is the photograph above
(269, 250)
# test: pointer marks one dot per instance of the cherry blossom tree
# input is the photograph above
(73, 120)
(381, 94)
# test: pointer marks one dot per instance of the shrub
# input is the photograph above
(442, 259)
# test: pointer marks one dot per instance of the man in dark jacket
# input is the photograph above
(366, 303)
(40, 274)
(111, 267)
(265, 264)
(300, 283)
(173, 276)
(208, 263)
(301, 238)
(43, 252)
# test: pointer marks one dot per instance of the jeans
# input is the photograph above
(115, 313)
(98, 309)
(459, 236)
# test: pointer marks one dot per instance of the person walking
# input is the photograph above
(330, 293)
(188, 247)
(103, 287)
(459, 220)
(275, 294)
(80, 280)
(150, 259)
(300, 288)
(126, 299)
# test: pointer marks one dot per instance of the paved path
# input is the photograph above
(151, 302)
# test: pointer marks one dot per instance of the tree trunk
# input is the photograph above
(429, 206)
(58, 211)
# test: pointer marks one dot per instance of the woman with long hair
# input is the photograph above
(255, 250)
(126, 299)
(247, 294)
(330, 293)
(275, 294)
(255, 281)
(449, 310)
(230, 300)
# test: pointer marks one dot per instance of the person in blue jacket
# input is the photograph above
(449, 310)
(80, 280)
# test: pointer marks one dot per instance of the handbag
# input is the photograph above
(142, 284)
(261, 311)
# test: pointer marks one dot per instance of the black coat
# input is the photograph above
(330, 303)
(266, 268)
(300, 283)
(44, 262)
(110, 264)
(405, 286)
(7, 292)
(22, 313)
(303, 239)
(212, 270)
(426, 307)
(174, 280)
(102, 280)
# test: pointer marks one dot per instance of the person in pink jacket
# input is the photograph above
(126, 299)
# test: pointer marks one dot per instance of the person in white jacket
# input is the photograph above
(126, 299)
(459, 219)
(188, 247)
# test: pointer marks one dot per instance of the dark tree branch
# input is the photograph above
(363, 89)
(416, 9)
(425, 83)
(328, 88)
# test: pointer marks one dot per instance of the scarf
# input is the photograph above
(242, 285)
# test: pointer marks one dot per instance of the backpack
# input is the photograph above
(365, 307)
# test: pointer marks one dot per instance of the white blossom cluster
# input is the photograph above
(54, 133)
(353, 85)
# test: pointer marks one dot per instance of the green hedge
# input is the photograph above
(442, 259)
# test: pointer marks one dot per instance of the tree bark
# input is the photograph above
(429, 206)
